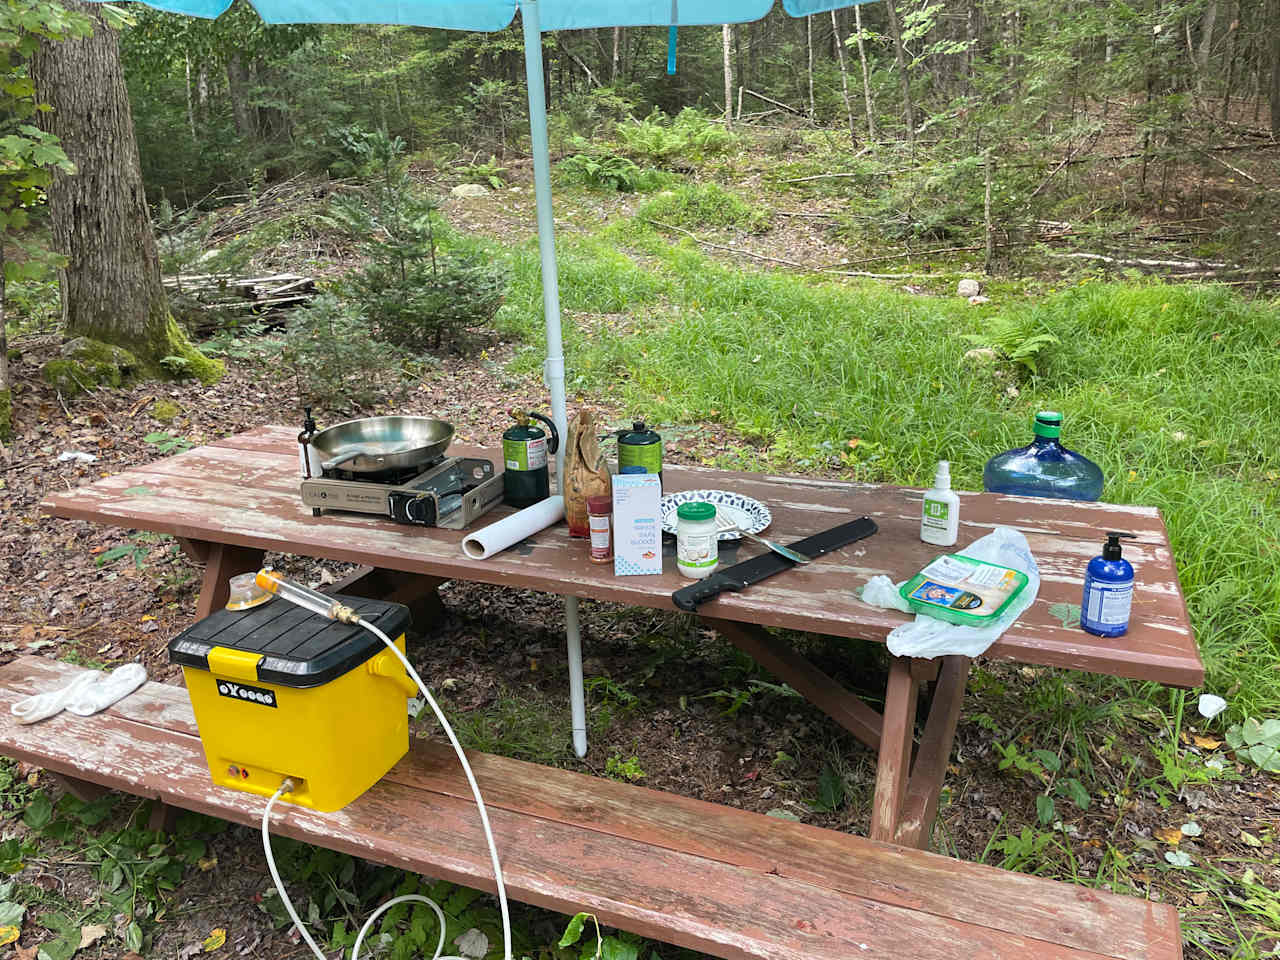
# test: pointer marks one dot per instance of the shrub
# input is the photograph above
(690, 137)
(695, 205)
(337, 361)
(609, 172)
(412, 294)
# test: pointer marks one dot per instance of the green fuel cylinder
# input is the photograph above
(641, 448)
(525, 449)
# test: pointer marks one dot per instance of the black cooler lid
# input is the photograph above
(299, 648)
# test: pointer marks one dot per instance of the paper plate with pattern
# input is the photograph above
(748, 513)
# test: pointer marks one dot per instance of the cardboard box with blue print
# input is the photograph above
(637, 548)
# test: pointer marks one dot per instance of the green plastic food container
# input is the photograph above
(962, 590)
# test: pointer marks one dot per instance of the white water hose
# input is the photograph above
(328, 607)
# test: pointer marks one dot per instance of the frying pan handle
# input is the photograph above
(554, 445)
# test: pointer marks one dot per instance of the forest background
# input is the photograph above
(784, 219)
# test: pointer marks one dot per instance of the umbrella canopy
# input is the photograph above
(489, 15)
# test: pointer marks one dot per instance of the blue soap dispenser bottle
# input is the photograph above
(1108, 591)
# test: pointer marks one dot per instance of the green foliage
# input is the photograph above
(704, 205)
(610, 172)
(1044, 766)
(335, 358)
(166, 442)
(624, 769)
(620, 946)
(1257, 741)
(412, 295)
(689, 137)
(490, 173)
(1017, 339)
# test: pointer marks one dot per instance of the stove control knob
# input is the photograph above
(411, 508)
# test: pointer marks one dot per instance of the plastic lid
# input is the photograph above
(297, 648)
(697, 510)
(942, 480)
(599, 505)
(1048, 424)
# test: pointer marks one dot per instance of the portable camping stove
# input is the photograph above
(451, 492)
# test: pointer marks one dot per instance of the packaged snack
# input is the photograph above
(961, 590)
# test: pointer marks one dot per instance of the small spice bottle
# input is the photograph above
(697, 539)
(600, 522)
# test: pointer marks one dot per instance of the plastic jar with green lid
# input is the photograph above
(697, 539)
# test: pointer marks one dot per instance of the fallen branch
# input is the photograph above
(1140, 262)
(776, 103)
(1234, 169)
(719, 246)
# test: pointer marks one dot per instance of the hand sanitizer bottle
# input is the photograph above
(940, 514)
(1108, 591)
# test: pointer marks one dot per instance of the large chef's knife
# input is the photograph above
(742, 575)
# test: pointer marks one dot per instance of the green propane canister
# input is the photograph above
(639, 447)
(525, 478)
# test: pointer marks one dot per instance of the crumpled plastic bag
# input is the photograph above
(928, 637)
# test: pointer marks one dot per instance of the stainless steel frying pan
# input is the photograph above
(376, 445)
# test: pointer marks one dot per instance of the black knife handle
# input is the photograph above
(688, 598)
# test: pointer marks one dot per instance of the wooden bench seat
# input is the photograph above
(700, 875)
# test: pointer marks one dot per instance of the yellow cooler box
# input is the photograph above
(281, 692)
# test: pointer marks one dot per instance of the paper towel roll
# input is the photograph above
(510, 530)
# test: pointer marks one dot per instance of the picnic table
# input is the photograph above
(231, 500)
(691, 874)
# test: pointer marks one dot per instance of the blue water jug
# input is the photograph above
(1044, 468)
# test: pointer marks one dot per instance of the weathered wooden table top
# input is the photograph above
(243, 490)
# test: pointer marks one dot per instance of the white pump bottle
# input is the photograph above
(940, 513)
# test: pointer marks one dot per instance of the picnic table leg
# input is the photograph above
(802, 676)
(920, 806)
(896, 740)
(222, 562)
(416, 591)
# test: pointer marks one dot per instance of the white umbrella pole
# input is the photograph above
(553, 370)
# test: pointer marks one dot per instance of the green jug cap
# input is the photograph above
(1048, 424)
(698, 510)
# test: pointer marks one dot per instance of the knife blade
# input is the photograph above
(742, 575)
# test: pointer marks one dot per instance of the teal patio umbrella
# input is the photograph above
(536, 17)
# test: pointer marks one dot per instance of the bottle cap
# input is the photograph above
(1048, 424)
(942, 479)
(599, 505)
(698, 510)
(1111, 549)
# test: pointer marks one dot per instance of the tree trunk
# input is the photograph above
(1207, 24)
(866, 76)
(238, 88)
(844, 79)
(111, 289)
(895, 30)
(1275, 69)
(191, 109)
(617, 52)
(727, 35)
(6, 395)
(808, 36)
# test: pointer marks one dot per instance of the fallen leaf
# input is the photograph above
(216, 938)
(9, 935)
(1170, 835)
(1199, 898)
(1191, 829)
(25, 953)
(91, 935)
(1208, 743)
(1250, 839)
(207, 863)
(473, 943)
(1178, 858)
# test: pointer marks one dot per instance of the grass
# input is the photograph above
(1171, 389)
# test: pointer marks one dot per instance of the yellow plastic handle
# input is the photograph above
(386, 664)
